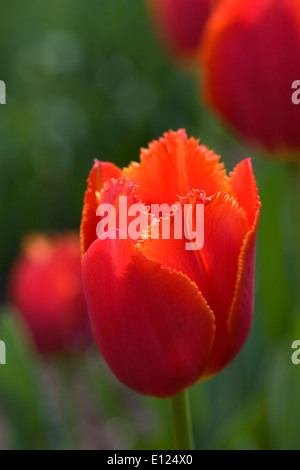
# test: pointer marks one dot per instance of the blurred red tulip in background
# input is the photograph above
(164, 317)
(46, 287)
(180, 24)
(251, 57)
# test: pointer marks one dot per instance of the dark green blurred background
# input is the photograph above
(88, 79)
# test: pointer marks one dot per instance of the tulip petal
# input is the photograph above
(180, 24)
(250, 58)
(46, 287)
(173, 166)
(241, 311)
(244, 186)
(152, 325)
(100, 173)
(214, 267)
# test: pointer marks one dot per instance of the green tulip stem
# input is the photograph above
(182, 429)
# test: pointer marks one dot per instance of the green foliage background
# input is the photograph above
(88, 79)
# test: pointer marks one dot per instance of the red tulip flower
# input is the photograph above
(46, 287)
(163, 316)
(180, 24)
(251, 63)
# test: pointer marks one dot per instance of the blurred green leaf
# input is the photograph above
(21, 397)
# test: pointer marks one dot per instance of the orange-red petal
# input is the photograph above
(214, 267)
(245, 189)
(100, 173)
(152, 325)
(241, 311)
(173, 166)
